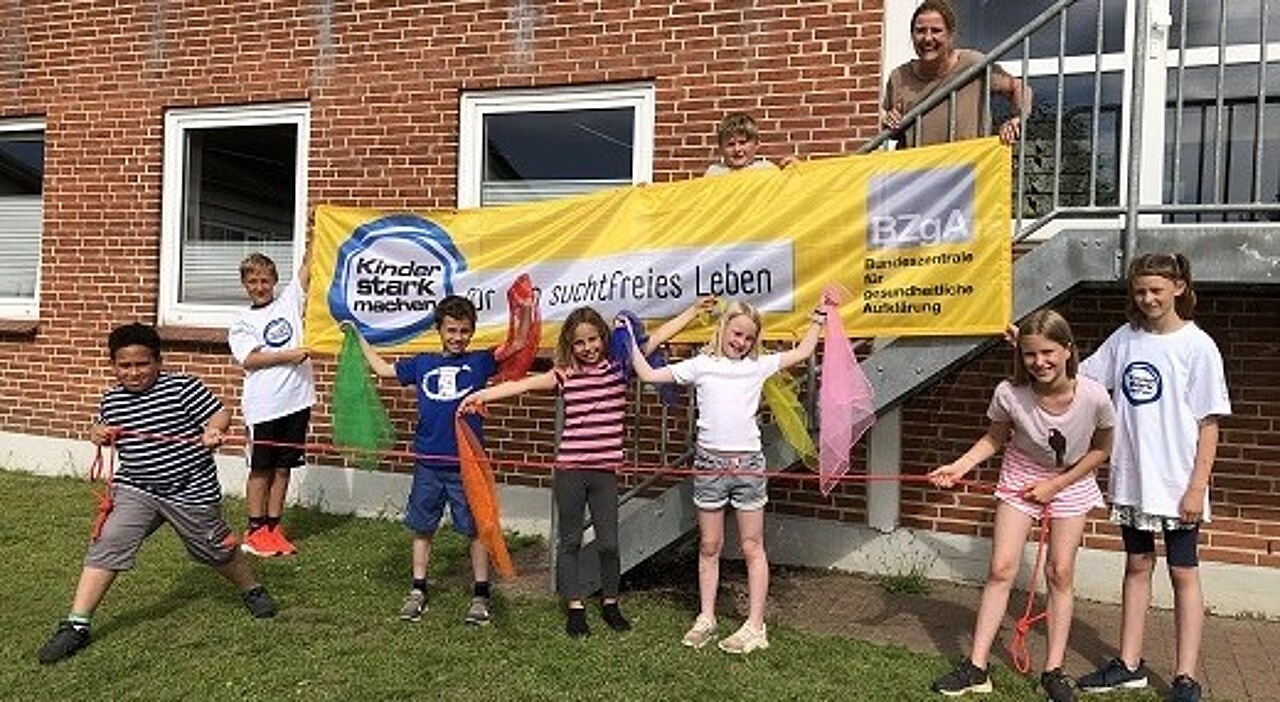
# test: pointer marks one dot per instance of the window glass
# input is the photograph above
(1244, 22)
(982, 24)
(238, 198)
(1077, 161)
(21, 216)
(1198, 177)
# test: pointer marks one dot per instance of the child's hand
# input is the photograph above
(101, 434)
(1042, 493)
(303, 354)
(832, 295)
(212, 437)
(946, 476)
(706, 304)
(471, 404)
(1011, 335)
(621, 322)
(1191, 507)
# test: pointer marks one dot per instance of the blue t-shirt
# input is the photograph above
(442, 381)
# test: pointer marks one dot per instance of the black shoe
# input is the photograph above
(613, 617)
(65, 642)
(967, 677)
(1057, 686)
(259, 603)
(1115, 675)
(575, 623)
(1184, 689)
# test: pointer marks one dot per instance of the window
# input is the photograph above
(234, 183)
(21, 217)
(524, 145)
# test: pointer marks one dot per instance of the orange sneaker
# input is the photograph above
(284, 547)
(259, 543)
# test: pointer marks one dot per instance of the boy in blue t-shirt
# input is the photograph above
(158, 481)
(442, 380)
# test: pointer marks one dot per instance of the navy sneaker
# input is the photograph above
(259, 603)
(1057, 686)
(966, 678)
(1115, 675)
(1184, 689)
(65, 642)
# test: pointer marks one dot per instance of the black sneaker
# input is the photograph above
(612, 616)
(575, 623)
(1115, 675)
(1184, 689)
(1057, 686)
(65, 642)
(967, 677)
(259, 603)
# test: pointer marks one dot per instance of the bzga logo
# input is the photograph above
(920, 208)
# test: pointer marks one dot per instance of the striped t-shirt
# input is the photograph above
(595, 399)
(177, 407)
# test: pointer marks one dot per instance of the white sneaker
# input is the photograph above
(702, 633)
(746, 639)
(414, 604)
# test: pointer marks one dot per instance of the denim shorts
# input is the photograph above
(432, 489)
(723, 481)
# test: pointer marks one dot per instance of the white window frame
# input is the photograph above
(171, 312)
(476, 106)
(26, 308)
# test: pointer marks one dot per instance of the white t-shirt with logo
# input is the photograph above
(728, 394)
(280, 390)
(1162, 386)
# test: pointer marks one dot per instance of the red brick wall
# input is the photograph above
(383, 80)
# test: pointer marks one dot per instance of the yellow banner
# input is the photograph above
(919, 237)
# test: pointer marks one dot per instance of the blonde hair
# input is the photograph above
(1053, 327)
(737, 124)
(1173, 266)
(732, 309)
(564, 344)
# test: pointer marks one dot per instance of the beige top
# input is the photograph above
(906, 89)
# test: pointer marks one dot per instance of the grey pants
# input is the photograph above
(574, 490)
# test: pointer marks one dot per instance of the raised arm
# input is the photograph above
(644, 371)
(809, 343)
(511, 388)
(378, 364)
(304, 270)
(677, 323)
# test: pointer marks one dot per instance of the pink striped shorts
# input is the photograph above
(1018, 473)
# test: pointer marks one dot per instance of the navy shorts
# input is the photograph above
(290, 429)
(432, 490)
(1181, 546)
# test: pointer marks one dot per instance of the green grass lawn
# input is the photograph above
(171, 629)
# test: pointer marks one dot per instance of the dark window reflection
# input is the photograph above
(1244, 22)
(21, 163)
(1198, 178)
(985, 23)
(566, 145)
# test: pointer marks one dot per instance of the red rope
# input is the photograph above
(103, 469)
(1018, 646)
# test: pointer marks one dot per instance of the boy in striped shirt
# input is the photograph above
(171, 479)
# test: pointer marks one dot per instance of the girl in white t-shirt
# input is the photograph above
(1166, 377)
(728, 377)
(1055, 429)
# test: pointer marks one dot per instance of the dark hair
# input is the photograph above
(455, 306)
(1053, 327)
(737, 124)
(258, 262)
(135, 334)
(564, 346)
(942, 7)
(1173, 266)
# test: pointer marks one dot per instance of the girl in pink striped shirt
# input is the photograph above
(1055, 429)
(589, 453)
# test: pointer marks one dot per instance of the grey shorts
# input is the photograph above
(136, 514)
(722, 481)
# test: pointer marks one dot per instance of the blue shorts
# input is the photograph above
(1180, 545)
(432, 488)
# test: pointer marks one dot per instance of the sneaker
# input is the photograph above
(966, 678)
(65, 642)
(612, 616)
(745, 640)
(283, 546)
(1115, 675)
(702, 633)
(575, 623)
(259, 543)
(415, 603)
(1057, 686)
(1184, 689)
(478, 612)
(259, 603)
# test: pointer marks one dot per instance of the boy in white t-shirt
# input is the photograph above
(279, 390)
(738, 140)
